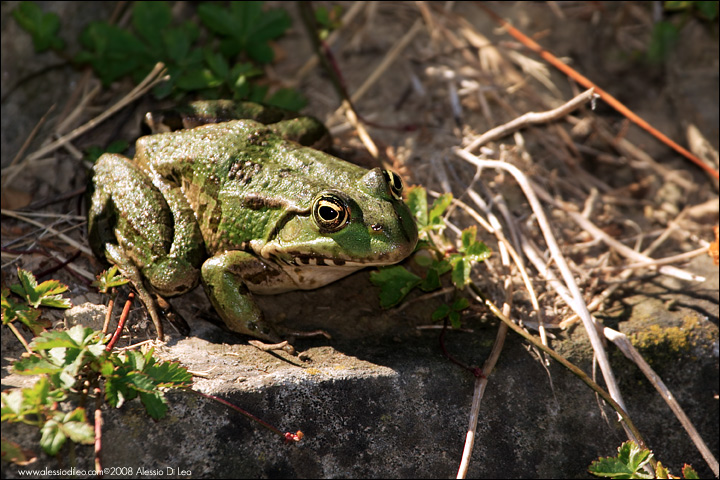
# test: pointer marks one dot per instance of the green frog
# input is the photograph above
(239, 200)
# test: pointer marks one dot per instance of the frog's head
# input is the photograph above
(361, 224)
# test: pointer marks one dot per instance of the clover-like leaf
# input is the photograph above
(155, 404)
(46, 294)
(109, 279)
(43, 27)
(395, 282)
(629, 463)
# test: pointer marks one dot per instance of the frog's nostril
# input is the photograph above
(376, 227)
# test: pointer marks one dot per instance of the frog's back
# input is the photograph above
(242, 179)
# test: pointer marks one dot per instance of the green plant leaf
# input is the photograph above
(417, 202)
(52, 437)
(688, 471)
(76, 427)
(12, 405)
(198, 79)
(460, 304)
(117, 389)
(217, 63)
(169, 375)
(438, 209)
(177, 43)
(664, 37)
(61, 426)
(441, 312)
(461, 270)
(217, 19)
(395, 282)
(329, 19)
(12, 452)
(709, 11)
(260, 51)
(454, 319)
(155, 404)
(288, 99)
(41, 26)
(471, 252)
(263, 25)
(113, 52)
(77, 337)
(661, 471)
(25, 314)
(109, 279)
(629, 463)
(150, 19)
(431, 281)
(35, 365)
(246, 27)
(49, 292)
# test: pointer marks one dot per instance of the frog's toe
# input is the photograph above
(252, 327)
(176, 320)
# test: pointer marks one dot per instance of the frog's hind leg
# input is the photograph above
(115, 256)
(154, 240)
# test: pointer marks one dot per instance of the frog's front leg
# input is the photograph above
(223, 277)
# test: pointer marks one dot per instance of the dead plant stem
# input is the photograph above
(578, 301)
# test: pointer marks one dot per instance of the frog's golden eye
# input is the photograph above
(330, 212)
(395, 183)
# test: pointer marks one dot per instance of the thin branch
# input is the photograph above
(622, 342)
(578, 303)
(585, 82)
(156, 76)
(68, 240)
(531, 118)
(632, 431)
(611, 242)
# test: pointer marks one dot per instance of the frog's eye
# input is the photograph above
(395, 183)
(330, 212)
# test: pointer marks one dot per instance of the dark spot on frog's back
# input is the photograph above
(256, 202)
(258, 137)
(244, 171)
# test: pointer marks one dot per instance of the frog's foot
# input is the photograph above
(115, 255)
(172, 316)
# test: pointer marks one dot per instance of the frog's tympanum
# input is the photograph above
(244, 208)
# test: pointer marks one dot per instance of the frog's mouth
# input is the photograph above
(302, 260)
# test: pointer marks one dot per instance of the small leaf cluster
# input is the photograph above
(396, 281)
(109, 279)
(329, 19)
(46, 294)
(43, 27)
(132, 374)
(631, 461)
(666, 32)
(216, 61)
(72, 362)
